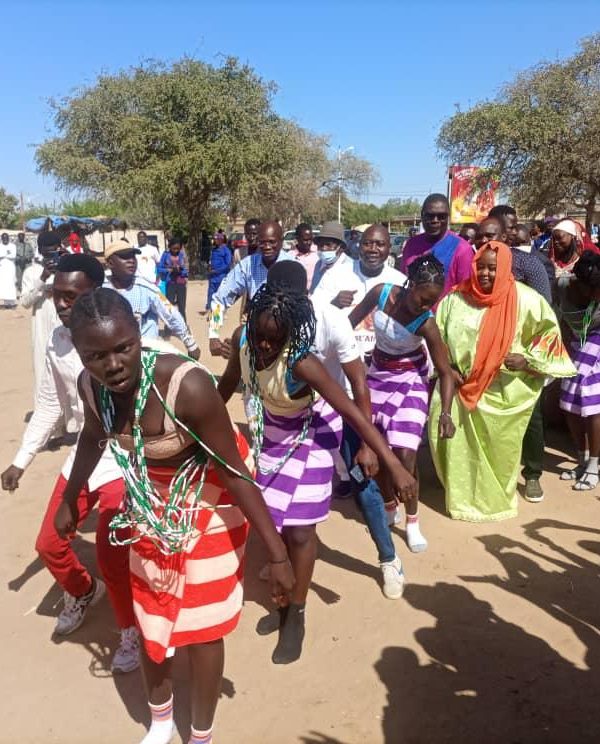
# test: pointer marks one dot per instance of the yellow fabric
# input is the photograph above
(479, 467)
(272, 385)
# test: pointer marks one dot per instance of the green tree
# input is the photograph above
(184, 139)
(8, 209)
(541, 135)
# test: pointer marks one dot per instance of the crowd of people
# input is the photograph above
(347, 366)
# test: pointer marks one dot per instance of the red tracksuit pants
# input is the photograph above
(113, 562)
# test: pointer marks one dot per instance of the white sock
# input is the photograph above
(592, 465)
(414, 537)
(201, 737)
(162, 726)
(583, 456)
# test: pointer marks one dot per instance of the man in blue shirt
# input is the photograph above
(147, 301)
(220, 263)
(245, 278)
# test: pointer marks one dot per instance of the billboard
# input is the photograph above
(472, 193)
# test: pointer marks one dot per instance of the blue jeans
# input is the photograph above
(369, 500)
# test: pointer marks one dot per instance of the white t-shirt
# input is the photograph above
(335, 343)
(147, 261)
(349, 277)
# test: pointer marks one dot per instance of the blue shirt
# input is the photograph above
(220, 260)
(166, 262)
(247, 277)
(149, 304)
(530, 270)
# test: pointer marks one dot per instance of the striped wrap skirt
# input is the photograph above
(581, 394)
(400, 399)
(299, 493)
(194, 596)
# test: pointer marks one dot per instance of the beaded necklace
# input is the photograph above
(588, 316)
(169, 525)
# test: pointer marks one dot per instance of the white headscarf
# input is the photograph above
(567, 226)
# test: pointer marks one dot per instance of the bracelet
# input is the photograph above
(277, 563)
(446, 415)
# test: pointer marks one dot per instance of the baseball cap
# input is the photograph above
(119, 246)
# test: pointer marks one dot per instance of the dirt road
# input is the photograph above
(496, 639)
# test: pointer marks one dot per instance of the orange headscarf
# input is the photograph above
(498, 325)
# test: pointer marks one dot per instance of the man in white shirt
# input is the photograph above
(344, 287)
(75, 275)
(8, 272)
(148, 258)
(36, 293)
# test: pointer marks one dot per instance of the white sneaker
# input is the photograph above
(393, 515)
(75, 608)
(393, 578)
(127, 656)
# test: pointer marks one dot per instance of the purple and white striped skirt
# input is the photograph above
(581, 394)
(400, 400)
(300, 491)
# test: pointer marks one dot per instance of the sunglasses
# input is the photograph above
(431, 216)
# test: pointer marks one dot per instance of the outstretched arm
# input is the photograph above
(439, 356)
(366, 306)
(90, 444)
(311, 371)
(230, 379)
(201, 408)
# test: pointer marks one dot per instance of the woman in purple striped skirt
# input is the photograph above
(578, 309)
(296, 430)
(398, 374)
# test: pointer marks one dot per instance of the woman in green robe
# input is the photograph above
(503, 339)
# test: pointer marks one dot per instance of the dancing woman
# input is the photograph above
(578, 308)
(296, 425)
(503, 339)
(189, 494)
(398, 374)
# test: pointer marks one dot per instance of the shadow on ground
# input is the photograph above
(488, 679)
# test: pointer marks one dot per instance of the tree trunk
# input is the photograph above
(590, 208)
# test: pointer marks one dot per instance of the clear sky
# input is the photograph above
(380, 76)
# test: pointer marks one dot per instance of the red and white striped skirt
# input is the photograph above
(195, 596)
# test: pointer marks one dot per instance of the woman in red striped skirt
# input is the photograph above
(189, 492)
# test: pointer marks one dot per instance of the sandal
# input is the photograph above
(572, 474)
(583, 484)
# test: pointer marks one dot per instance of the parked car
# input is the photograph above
(289, 238)
(238, 240)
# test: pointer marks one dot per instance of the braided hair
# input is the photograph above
(98, 306)
(292, 312)
(426, 270)
(587, 269)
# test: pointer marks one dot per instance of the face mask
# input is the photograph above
(327, 257)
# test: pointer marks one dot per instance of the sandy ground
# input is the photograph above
(496, 639)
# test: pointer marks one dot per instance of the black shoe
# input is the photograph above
(291, 635)
(271, 622)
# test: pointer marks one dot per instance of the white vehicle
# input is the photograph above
(289, 240)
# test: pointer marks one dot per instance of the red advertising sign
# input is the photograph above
(472, 193)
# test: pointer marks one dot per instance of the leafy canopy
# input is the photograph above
(541, 135)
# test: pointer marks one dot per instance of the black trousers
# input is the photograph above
(177, 295)
(532, 453)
